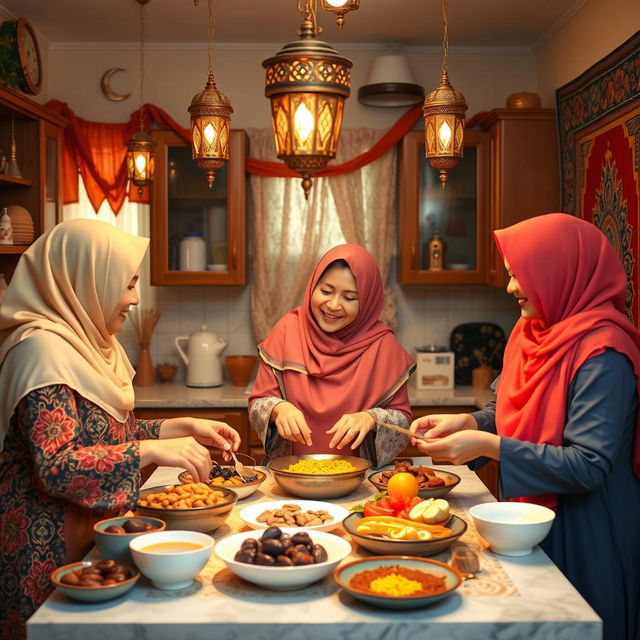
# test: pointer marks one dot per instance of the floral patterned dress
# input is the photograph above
(66, 464)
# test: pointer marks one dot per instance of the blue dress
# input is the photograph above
(595, 537)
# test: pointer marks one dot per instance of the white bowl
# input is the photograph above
(171, 570)
(250, 514)
(512, 528)
(284, 578)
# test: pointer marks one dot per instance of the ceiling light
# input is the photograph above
(140, 146)
(390, 84)
(307, 82)
(444, 110)
(210, 120)
(340, 7)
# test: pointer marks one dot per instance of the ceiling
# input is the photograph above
(394, 23)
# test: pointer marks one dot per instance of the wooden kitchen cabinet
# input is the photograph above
(458, 213)
(182, 203)
(524, 175)
(38, 138)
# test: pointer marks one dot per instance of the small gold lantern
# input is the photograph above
(444, 110)
(340, 7)
(307, 82)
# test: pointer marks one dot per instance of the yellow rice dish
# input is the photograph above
(311, 465)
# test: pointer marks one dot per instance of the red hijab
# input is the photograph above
(329, 374)
(573, 277)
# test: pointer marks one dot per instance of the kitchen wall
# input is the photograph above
(173, 75)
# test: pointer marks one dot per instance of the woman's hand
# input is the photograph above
(352, 427)
(290, 423)
(210, 433)
(439, 425)
(177, 452)
(462, 446)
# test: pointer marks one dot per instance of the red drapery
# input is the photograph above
(97, 151)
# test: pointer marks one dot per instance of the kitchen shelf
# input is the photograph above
(13, 249)
(12, 180)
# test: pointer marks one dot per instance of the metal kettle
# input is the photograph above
(204, 364)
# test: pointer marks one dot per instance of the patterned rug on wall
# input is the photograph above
(599, 134)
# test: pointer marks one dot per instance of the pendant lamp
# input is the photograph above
(210, 120)
(444, 110)
(140, 146)
(307, 82)
(390, 84)
(340, 7)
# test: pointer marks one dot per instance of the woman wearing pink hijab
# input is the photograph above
(565, 421)
(71, 450)
(330, 370)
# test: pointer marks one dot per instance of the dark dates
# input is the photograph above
(132, 525)
(275, 548)
(101, 574)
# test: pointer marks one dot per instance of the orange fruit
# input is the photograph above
(403, 485)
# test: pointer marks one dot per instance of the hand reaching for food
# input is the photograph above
(290, 423)
(352, 427)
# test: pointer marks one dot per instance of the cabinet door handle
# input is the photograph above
(233, 255)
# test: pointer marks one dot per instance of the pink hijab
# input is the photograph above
(573, 277)
(327, 375)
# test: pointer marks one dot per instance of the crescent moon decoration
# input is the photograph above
(109, 93)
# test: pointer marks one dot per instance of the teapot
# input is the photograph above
(204, 365)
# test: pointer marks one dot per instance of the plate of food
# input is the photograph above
(310, 514)
(432, 483)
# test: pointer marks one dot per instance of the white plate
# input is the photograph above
(249, 514)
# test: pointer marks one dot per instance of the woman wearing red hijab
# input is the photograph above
(565, 421)
(330, 370)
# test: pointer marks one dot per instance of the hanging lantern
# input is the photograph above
(307, 82)
(140, 160)
(210, 113)
(140, 146)
(340, 7)
(444, 110)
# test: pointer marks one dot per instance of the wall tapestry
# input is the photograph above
(599, 134)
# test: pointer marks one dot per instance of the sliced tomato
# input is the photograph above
(403, 513)
(373, 509)
(415, 501)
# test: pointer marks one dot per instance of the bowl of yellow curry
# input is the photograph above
(319, 476)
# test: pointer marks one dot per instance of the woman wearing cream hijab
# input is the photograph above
(71, 449)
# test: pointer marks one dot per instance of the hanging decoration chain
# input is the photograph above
(141, 64)
(308, 10)
(445, 40)
(210, 37)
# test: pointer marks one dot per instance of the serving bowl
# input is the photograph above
(451, 480)
(512, 528)
(160, 558)
(115, 546)
(387, 546)
(250, 514)
(97, 593)
(343, 575)
(201, 519)
(318, 486)
(284, 578)
(243, 490)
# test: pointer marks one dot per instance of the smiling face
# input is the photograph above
(119, 314)
(334, 302)
(527, 310)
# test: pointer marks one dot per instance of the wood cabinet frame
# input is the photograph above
(409, 212)
(236, 274)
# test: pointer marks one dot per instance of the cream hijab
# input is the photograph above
(53, 317)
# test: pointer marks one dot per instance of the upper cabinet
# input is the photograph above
(198, 235)
(509, 172)
(442, 231)
(525, 175)
(37, 140)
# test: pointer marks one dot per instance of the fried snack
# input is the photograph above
(184, 496)
(313, 466)
(291, 515)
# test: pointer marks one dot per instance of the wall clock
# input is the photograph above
(20, 62)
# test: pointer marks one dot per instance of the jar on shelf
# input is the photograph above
(6, 230)
(193, 252)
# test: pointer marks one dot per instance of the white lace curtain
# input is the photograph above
(291, 234)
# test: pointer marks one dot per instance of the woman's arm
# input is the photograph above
(601, 408)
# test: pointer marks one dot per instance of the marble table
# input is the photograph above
(512, 598)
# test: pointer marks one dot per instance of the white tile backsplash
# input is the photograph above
(426, 314)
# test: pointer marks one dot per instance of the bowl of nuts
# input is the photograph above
(226, 476)
(112, 535)
(310, 514)
(282, 559)
(195, 506)
(95, 581)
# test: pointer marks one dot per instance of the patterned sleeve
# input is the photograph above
(98, 476)
(147, 429)
(386, 444)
